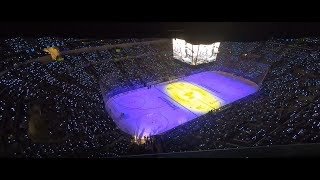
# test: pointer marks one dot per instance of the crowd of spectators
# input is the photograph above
(285, 110)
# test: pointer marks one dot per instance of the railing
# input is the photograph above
(279, 151)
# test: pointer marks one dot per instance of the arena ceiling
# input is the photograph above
(196, 32)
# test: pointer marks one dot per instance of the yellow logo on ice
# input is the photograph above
(192, 97)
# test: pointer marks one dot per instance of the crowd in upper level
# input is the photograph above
(70, 94)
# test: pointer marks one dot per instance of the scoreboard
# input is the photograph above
(194, 54)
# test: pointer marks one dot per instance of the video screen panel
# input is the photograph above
(194, 54)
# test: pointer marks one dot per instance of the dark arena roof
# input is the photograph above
(193, 32)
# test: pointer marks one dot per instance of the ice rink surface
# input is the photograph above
(145, 112)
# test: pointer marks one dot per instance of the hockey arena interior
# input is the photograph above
(72, 97)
